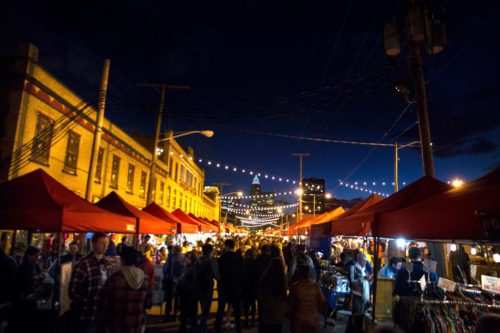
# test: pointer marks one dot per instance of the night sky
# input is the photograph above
(258, 69)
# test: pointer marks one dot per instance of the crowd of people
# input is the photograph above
(258, 281)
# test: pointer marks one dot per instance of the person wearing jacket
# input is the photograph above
(206, 270)
(390, 271)
(271, 297)
(172, 271)
(402, 286)
(305, 299)
(359, 280)
(188, 303)
(231, 267)
(126, 296)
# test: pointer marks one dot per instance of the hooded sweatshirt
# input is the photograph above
(133, 275)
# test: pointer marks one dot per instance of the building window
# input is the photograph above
(180, 200)
(176, 172)
(43, 138)
(98, 169)
(162, 193)
(115, 172)
(142, 189)
(174, 202)
(71, 159)
(130, 178)
(170, 166)
(169, 191)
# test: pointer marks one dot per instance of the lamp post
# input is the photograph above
(206, 133)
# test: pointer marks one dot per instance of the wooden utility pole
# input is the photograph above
(163, 88)
(98, 130)
(396, 167)
(301, 156)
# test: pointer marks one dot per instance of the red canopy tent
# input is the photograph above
(360, 223)
(328, 216)
(324, 228)
(146, 223)
(36, 201)
(454, 214)
(187, 222)
(213, 222)
(205, 225)
(161, 213)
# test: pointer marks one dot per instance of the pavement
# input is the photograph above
(156, 323)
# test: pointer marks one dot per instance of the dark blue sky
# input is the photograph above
(301, 68)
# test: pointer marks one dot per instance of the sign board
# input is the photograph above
(446, 284)
(320, 239)
(64, 287)
(430, 265)
(490, 284)
(490, 223)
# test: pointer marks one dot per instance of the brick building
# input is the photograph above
(43, 124)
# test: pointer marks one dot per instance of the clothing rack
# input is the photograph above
(446, 302)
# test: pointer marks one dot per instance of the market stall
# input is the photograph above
(360, 222)
(187, 222)
(145, 223)
(37, 202)
(161, 213)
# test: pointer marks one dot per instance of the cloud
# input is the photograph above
(476, 146)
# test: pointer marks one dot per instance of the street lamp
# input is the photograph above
(207, 133)
(152, 176)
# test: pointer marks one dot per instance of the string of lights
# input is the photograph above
(247, 171)
(263, 208)
(258, 225)
(362, 189)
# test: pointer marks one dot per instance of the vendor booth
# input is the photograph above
(37, 202)
(145, 223)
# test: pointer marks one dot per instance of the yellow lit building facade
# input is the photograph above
(46, 125)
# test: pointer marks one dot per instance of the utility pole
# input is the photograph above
(301, 193)
(396, 167)
(422, 30)
(423, 114)
(98, 130)
(163, 90)
(220, 186)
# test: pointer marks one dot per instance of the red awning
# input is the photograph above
(449, 215)
(147, 223)
(360, 223)
(214, 223)
(189, 226)
(161, 213)
(205, 225)
(36, 201)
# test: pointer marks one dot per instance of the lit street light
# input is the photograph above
(157, 152)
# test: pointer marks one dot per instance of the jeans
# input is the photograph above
(205, 299)
(189, 308)
(169, 297)
(235, 301)
(249, 306)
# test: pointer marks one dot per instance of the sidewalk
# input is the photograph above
(157, 325)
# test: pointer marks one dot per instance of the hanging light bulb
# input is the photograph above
(496, 257)
(453, 247)
(473, 251)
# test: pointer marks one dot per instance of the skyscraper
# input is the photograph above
(314, 195)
